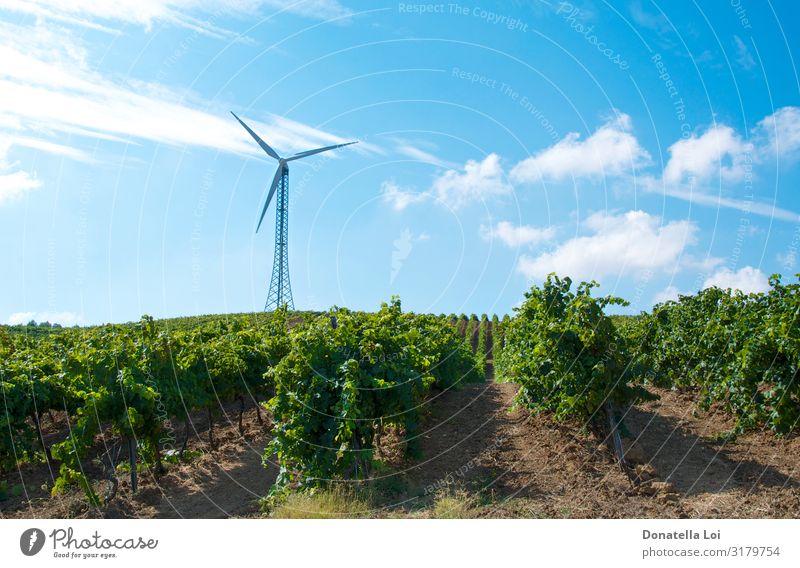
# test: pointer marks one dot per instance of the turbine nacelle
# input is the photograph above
(283, 163)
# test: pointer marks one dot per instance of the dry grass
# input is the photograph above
(454, 505)
(335, 503)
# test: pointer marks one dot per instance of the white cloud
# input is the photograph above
(456, 187)
(694, 164)
(743, 56)
(16, 184)
(630, 242)
(697, 164)
(62, 318)
(611, 150)
(779, 133)
(670, 293)
(517, 235)
(477, 181)
(721, 151)
(718, 151)
(13, 183)
(399, 197)
(747, 279)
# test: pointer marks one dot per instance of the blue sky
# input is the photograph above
(651, 146)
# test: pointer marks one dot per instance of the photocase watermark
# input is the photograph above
(679, 107)
(454, 9)
(462, 471)
(741, 13)
(642, 283)
(65, 544)
(168, 64)
(789, 260)
(474, 77)
(310, 169)
(403, 245)
(489, 16)
(420, 9)
(31, 542)
(52, 257)
(206, 183)
(505, 89)
(744, 228)
(168, 437)
(358, 355)
(82, 231)
(572, 15)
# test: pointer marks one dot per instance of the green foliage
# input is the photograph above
(339, 384)
(565, 353)
(480, 355)
(739, 350)
(469, 332)
(127, 381)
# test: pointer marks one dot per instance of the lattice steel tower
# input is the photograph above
(280, 287)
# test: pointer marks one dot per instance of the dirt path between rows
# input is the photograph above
(527, 466)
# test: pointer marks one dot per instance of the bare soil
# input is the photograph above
(524, 465)
(224, 481)
(509, 463)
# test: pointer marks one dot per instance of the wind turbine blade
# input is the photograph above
(264, 146)
(275, 181)
(317, 151)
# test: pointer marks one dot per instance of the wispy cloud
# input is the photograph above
(400, 197)
(702, 197)
(53, 148)
(49, 90)
(410, 150)
(196, 15)
(743, 56)
(516, 236)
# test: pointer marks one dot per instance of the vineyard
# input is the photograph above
(691, 409)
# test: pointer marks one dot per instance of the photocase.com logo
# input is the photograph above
(402, 248)
(31, 541)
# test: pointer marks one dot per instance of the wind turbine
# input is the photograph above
(280, 288)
